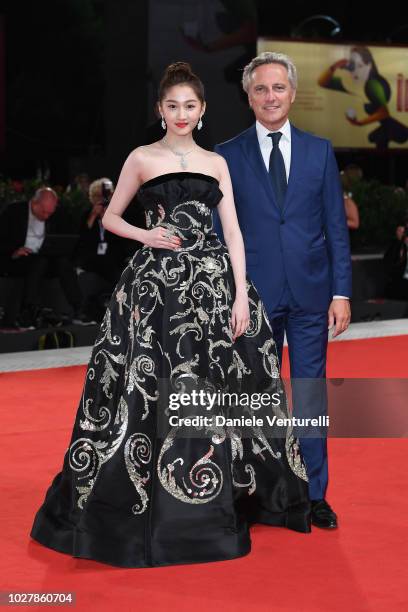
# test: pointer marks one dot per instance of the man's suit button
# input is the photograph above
(282, 222)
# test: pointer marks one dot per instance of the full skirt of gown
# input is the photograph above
(134, 490)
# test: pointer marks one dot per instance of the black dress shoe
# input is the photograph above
(322, 515)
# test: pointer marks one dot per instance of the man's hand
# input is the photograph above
(339, 315)
(97, 211)
(21, 252)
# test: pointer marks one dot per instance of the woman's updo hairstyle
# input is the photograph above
(180, 73)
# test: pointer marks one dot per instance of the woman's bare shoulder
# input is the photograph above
(208, 154)
(144, 151)
(216, 161)
(220, 163)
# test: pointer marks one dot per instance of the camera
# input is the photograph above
(107, 191)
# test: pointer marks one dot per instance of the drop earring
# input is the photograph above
(200, 123)
(163, 123)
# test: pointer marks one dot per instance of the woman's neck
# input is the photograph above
(179, 143)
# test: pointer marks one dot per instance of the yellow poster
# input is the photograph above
(354, 95)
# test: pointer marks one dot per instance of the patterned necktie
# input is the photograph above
(277, 170)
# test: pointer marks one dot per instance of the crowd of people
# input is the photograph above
(31, 251)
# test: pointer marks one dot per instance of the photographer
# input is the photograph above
(98, 250)
(396, 265)
(24, 227)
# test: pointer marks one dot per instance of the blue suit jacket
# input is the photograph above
(307, 243)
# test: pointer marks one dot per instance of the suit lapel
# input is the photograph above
(252, 151)
(297, 156)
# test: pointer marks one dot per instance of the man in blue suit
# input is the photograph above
(291, 212)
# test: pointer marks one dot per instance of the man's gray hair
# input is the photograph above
(269, 57)
(38, 193)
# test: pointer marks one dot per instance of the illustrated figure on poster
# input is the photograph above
(377, 90)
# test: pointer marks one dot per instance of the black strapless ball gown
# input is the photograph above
(130, 492)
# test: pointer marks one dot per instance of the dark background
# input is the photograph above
(77, 73)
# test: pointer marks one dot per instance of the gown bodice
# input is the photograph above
(182, 202)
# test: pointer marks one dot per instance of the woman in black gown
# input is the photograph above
(136, 489)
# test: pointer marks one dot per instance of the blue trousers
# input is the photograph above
(307, 336)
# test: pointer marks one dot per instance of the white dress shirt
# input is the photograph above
(266, 145)
(285, 146)
(35, 232)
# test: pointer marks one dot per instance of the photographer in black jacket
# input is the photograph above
(98, 250)
(23, 229)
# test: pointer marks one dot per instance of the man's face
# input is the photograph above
(97, 199)
(271, 95)
(45, 206)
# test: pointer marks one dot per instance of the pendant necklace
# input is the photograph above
(182, 156)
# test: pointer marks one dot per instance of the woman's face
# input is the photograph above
(181, 109)
(360, 71)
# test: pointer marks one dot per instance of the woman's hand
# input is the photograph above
(161, 238)
(240, 315)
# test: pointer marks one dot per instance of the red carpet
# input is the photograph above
(361, 567)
